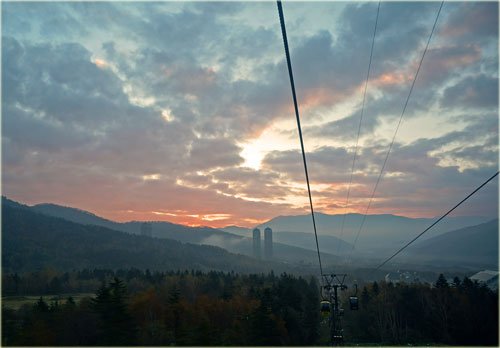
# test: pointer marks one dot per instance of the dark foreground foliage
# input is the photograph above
(181, 308)
(463, 313)
(200, 309)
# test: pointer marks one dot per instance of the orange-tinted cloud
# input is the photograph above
(101, 63)
(321, 97)
(390, 79)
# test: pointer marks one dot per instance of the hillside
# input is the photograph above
(33, 241)
(237, 230)
(383, 235)
(165, 230)
(329, 244)
(293, 252)
(161, 229)
(471, 245)
(380, 233)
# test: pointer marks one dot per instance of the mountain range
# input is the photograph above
(185, 234)
(32, 241)
(380, 233)
(473, 243)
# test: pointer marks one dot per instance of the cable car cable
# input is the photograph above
(441, 218)
(396, 131)
(359, 129)
(297, 116)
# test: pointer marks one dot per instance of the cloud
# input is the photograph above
(255, 184)
(413, 171)
(211, 153)
(472, 20)
(472, 92)
(337, 129)
(442, 61)
(99, 99)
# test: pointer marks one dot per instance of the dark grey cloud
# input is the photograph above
(34, 133)
(326, 165)
(252, 183)
(472, 92)
(345, 128)
(476, 154)
(211, 153)
(471, 21)
(62, 82)
(481, 127)
(58, 101)
(244, 174)
(394, 59)
(390, 50)
(442, 61)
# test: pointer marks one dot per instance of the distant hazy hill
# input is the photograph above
(329, 244)
(33, 241)
(380, 232)
(472, 245)
(240, 231)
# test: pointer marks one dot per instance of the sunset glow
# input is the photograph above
(183, 112)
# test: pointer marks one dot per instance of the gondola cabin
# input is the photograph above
(325, 309)
(353, 303)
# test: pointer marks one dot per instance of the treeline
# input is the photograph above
(175, 308)
(51, 282)
(132, 307)
(461, 312)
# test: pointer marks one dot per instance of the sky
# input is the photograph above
(182, 111)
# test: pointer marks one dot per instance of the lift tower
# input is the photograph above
(333, 282)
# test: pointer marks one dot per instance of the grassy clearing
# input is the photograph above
(15, 302)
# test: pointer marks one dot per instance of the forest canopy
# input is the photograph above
(193, 308)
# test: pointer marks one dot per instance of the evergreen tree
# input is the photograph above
(441, 282)
(457, 283)
(116, 325)
(41, 305)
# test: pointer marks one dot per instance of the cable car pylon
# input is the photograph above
(331, 307)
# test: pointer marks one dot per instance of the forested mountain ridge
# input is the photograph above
(161, 229)
(33, 241)
(293, 253)
(478, 248)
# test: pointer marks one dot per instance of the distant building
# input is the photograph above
(146, 229)
(490, 278)
(268, 243)
(256, 243)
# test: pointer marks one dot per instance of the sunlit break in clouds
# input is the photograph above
(183, 112)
